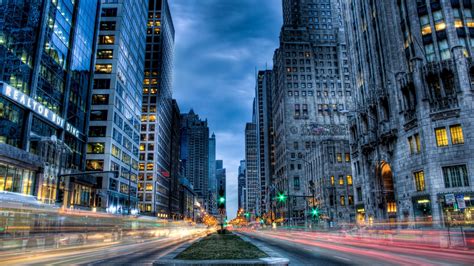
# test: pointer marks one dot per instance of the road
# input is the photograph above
(131, 253)
(309, 248)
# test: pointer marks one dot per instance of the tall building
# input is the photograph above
(114, 131)
(157, 110)
(175, 164)
(46, 66)
(221, 177)
(241, 193)
(412, 129)
(311, 88)
(195, 155)
(264, 123)
(252, 181)
(212, 175)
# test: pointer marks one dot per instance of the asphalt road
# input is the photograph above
(144, 253)
(302, 248)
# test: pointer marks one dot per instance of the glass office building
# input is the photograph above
(114, 131)
(46, 49)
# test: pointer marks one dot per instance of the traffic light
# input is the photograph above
(315, 212)
(281, 197)
(221, 199)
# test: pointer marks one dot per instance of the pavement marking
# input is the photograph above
(342, 258)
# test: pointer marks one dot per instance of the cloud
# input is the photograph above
(219, 46)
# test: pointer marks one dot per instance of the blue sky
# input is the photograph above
(219, 45)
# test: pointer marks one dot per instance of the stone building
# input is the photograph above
(412, 127)
(311, 89)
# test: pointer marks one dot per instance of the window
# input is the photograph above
(98, 115)
(115, 151)
(332, 180)
(109, 12)
(339, 157)
(455, 176)
(107, 25)
(359, 194)
(149, 186)
(444, 49)
(97, 131)
(296, 182)
(100, 99)
(417, 143)
(441, 137)
(419, 180)
(95, 165)
(349, 180)
(341, 180)
(457, 136)
(95, 147)
(350, 200)
(105, 54)
(348, 157)
(342, 200)
(101, 84)
(425, 25)
(391, 207)
(103, 68)
(106, 39)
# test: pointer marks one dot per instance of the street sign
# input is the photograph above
(461, 202)
(449, 198)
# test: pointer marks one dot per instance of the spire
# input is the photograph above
(191, 112)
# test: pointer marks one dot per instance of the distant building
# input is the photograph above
(46, 77)
(195, 155)
(186, 199)
(114, 131)
(241, 185)
(156, 141)
(212, 175)
(221, 178)
(252, 181)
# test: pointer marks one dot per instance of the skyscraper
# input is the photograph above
(412, 130)
(117, 102)
(264, 124)
(221, 177)
(175, 172)
(195, 155)
(311, 88)
(212, 175)
(241, 196)
(157, 111)
(46, 62)
(252, 181)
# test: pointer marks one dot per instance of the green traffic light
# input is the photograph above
(315, 212)
(247, 214)
(221, 200)
(281, 197)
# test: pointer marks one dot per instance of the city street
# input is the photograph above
(309, 248)
(125, 253)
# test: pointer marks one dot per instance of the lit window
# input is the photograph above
(115, 151)
(339, 157)
(342, 200)
(348, 157)
(391, 207)
(149, 187)
(425, 25)
(332, 180)
(105, 54)
(106, 39)
(95, 165)
(457, 136)
(349, 180)
(410, 143)
(95, 147)
(149, 166)
(419, 180)
(341, 180)
(141, 166)
(103, 68)
(418, 143)
(441, 137)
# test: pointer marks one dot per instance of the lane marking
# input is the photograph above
(342, 258)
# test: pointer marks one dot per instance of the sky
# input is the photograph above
(219, 44)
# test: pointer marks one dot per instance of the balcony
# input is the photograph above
(411, 120)
(445, 107)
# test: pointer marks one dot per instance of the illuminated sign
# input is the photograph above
(25, 100)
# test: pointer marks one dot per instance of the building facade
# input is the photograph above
(412, 129)
(195, 155)
(114, 131)
(175, 172)
(264, 123)
(212, 176)
(157, 110)
(47, 55)
(241, 193)
(252, 181)
(311, 89)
